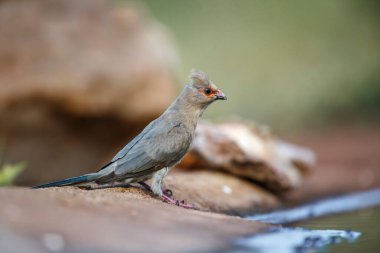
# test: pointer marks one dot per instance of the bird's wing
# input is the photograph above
(148, 154)
(133, 142)
(137, 162)
(129, 146)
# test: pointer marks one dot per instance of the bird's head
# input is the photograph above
(203, 91)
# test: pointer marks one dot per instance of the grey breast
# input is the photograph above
(177, 143)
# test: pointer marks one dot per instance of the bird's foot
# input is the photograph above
(166, 192)
(177, 202)
(167, 196)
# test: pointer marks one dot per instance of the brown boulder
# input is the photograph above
(77, 80)
(220, 192)
(250, 152)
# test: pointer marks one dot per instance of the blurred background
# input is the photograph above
(78, 79)
(290, 64)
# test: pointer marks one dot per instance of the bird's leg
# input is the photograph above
(158, 181)
(167, 192)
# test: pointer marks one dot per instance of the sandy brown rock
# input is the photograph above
(85, 57)
(220, 192)
(250, 152)
(78, 79)
(112, 220)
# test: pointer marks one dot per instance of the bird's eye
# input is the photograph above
(207, 91)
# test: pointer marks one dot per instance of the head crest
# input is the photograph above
(199, 78)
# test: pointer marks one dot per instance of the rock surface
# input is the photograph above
(250, 152)
(78, 79)
(111, 220)
(220, 192)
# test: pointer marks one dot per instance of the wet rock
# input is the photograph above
(112, 220)
(250, 152)
(77, 80)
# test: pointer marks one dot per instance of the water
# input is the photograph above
(299, 240)
(337, 205)
(366, 221)
(345, 224)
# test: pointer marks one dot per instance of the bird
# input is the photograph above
(161, 144)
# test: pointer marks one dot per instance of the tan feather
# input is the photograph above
(198, 78)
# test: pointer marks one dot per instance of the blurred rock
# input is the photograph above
(348, 161)
(77, 80)
(250, 152)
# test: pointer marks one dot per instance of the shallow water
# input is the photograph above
(336, 205)
(366, 221)
(296, 239)
(346, 224)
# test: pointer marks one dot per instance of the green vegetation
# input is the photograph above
(8, 172)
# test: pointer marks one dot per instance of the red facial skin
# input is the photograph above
(211, 94)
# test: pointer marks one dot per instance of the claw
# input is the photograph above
(177, 202)
(167, 197)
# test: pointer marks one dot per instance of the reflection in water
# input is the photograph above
(366, 221)
(295, 240)
(351, 202)
(317, 221)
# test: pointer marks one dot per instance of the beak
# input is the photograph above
(220, 95)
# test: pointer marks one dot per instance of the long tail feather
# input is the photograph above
(71, 181)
